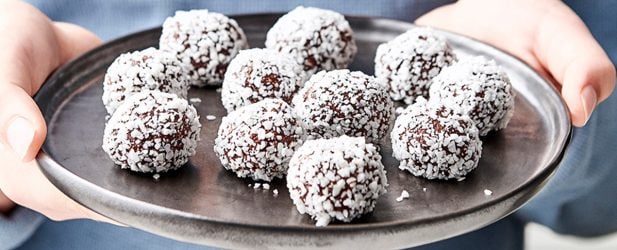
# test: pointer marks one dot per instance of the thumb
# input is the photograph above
(574, 58)
(22, 127)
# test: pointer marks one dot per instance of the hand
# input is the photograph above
(32, 47)
(547, 35)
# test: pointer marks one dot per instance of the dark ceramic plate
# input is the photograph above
(202, 203)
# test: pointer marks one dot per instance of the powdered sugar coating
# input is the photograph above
(319, 39)
(481, 88)
(205, 42)
(149, 69)
(339, 178)
(259, 139)
(341, 102)
(409, 62)
(435, 142)
(152, 132)
(256, 74)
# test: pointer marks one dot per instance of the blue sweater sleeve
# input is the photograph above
(18, 227)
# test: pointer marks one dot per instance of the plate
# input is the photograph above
(202, 203)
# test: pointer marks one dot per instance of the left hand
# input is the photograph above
(547, 35)
(32, 47)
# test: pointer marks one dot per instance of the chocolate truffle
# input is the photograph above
(409, 62)
(152, 132)
(256, 74)
(258, 140)
(205, 42)
(481, 88)
(339, 178)
(341, 102)
(435, 142)
(319, 39)
(145, 70)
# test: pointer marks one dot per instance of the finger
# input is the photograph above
(32, 47)
(571, 54)
(74, 40)
(21, 122)
(29, 53)
(25, 184)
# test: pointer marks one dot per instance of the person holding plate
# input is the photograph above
(569, 42)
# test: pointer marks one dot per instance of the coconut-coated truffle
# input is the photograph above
(319, 39)
(341, 102)
(258, 140)
(152, 132)
(409, 62)
(339, 178)
(435, 142)
(205, 42)
(144, 70)
(256, 74)
(481, 88)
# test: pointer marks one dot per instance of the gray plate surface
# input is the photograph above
(202, 203)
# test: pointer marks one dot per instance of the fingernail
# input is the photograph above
(20, 134)
(589, 99)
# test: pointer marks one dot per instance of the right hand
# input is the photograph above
(547, 35)
(32, 46)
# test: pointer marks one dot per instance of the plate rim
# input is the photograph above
(46, 161)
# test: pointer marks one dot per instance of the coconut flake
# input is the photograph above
(480, 89)
(256, 74)
(435, 142)
(404, 195)
(341, 102)
(408, 63)
(258, 140)
(152, 132)
(145, 70)
(319, 39)
(204, 42)
(315, 171)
